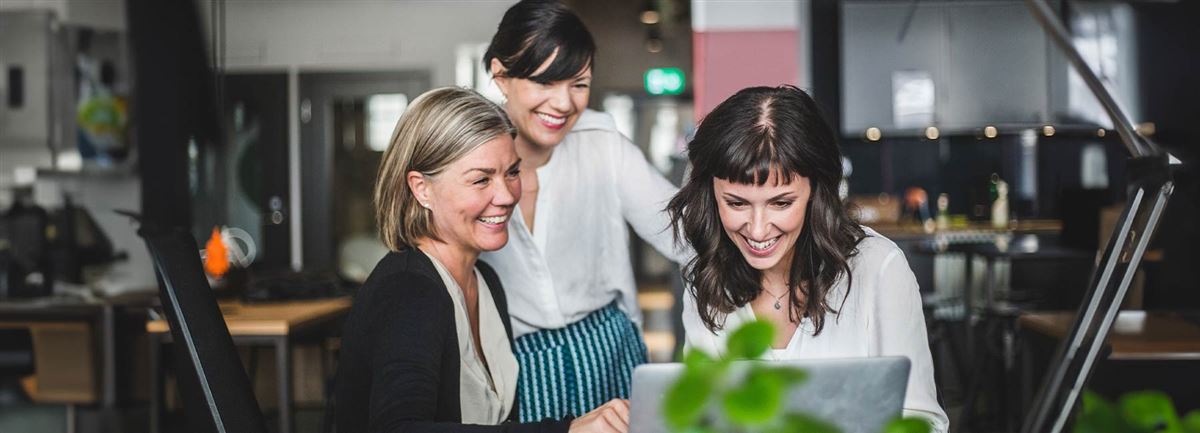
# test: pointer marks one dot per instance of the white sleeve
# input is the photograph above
(900, 330)
(644, 193)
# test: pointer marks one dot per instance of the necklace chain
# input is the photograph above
(777, 305)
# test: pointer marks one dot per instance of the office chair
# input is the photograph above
(217, 395)
(16, 361)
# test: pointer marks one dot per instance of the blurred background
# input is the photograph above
(966, 136)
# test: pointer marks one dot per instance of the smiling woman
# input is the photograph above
(774, 242)
(574, 301)
(428, 343)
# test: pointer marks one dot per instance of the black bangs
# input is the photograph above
(530, 32)
(569, 62)
(761, 131)
(751, 159)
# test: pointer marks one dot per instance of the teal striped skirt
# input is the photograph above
(572, 370)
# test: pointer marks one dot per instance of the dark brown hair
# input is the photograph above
(528, 35)
(757, 131)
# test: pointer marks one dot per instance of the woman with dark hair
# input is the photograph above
(774, 242)
(571, 286)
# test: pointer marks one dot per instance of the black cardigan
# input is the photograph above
(399, 366)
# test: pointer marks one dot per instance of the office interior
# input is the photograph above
(968, 137)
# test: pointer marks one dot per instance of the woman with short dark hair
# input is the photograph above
(774, 242)
(572, 290)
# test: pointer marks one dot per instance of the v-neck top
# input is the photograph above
(576, 260)
(401, 359)
(486, 392)
(881, 316)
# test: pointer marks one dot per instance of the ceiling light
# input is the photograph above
(873, 134)
(990, 131)
(654, 45)
(650, 17)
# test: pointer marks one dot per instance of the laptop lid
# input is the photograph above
(858, 395)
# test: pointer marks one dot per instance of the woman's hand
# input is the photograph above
(611, 417)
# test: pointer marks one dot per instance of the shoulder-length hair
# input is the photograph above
(530, 32)
(757, 131)
(438, 128)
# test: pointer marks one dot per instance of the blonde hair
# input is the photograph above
(438, 128)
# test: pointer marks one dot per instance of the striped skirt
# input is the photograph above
(572, 370)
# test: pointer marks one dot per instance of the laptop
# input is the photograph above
(858, 395)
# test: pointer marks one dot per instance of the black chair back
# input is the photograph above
(16, 361)
(216, 393)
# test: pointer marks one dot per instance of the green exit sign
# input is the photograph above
(665, 81)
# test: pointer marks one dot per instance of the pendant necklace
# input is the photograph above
(778, 306)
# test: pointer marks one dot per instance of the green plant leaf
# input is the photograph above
(1098, 416)
(908, 425)
(686, 399)
(751, 340)
(757, 400)
(1150, 411)
(1191, 422)
(801, 423)
(697, 360)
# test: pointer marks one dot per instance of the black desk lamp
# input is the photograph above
(1149, 189)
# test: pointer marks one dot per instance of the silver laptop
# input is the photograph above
(858, 395)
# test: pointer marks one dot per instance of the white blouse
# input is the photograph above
(882, 316)
(577, 259)
(486, 393)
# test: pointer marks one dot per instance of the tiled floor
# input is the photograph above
(53, 419)
(33, 419)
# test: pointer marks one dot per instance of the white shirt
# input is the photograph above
(486, 393)
(881, 317)
(577, 260)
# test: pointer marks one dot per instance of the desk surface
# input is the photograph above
(905, 231)
(1136, 335)
(68, 308)
(1021, 246)
(270, 319)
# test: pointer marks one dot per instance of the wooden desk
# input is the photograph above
(75, 344)
(908, 231)
(1135, 335)
(271, 324)
(270, 319)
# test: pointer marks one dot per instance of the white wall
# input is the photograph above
(355, 34)
(25, 43)
(24, 131)
(58, 6)
(97, 14)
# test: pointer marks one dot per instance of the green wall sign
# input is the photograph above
(665, 81)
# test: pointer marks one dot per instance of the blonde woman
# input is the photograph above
(428, 344)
